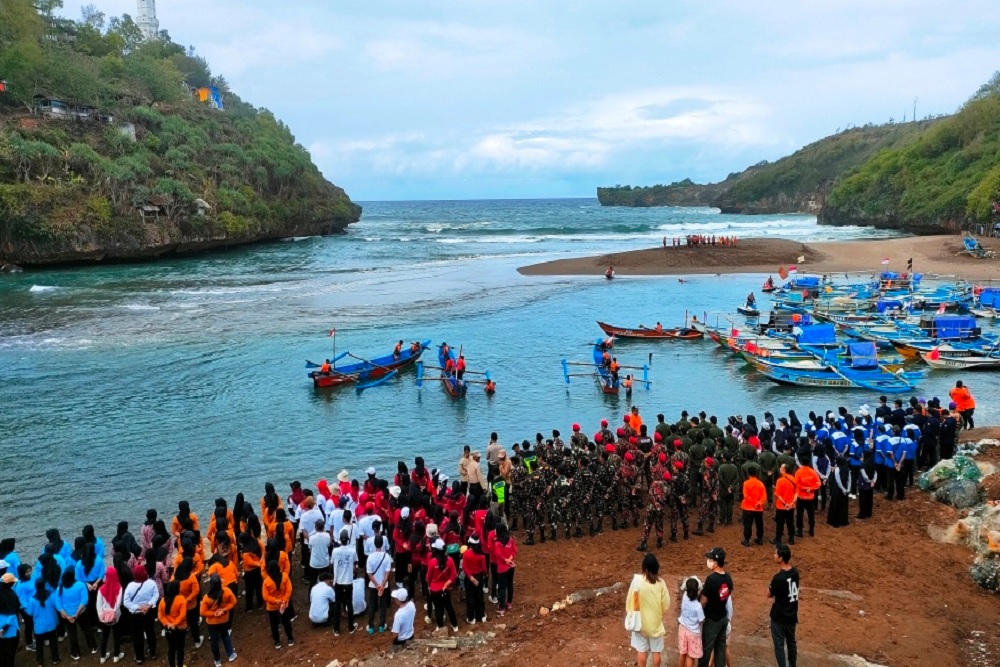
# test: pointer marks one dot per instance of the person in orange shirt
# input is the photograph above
(634, 420)
(273, 551)
(190, 588)
(253, 551)
(225, 568)
(278, 599)
(172, 613)
(185, 519)
(964, 404)
(282, 531)
(784, 506)
(754, 499)
(190, 550)
(215, 608)
(807, 483)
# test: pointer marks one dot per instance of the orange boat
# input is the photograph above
(679, 333)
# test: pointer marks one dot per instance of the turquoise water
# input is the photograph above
(131, 386)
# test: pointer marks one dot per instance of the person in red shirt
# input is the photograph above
(754, 499)
(504, 553)
(441, 577)
(474, 566)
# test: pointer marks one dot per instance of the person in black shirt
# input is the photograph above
(948, 432)
(784, 594)
(898, 416)
(714, 596)
(883, 410)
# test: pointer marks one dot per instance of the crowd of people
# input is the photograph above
(700, 239)
(361, 542)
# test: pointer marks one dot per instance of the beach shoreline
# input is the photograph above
(931, 255)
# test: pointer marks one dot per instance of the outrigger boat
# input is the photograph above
(453, 385)
(367, 373)
(964, 361)
(608, 381)
(860, 369)
(644, 332)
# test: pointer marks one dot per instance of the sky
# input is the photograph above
(464, 99)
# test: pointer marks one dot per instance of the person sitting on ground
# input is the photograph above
(402, 620)
(321, 601)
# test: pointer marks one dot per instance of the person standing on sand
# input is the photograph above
(649, 596)
(964, 404)
(784, 595)
(715, 594)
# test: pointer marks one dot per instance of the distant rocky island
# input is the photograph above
(925, 177)
(118, 144)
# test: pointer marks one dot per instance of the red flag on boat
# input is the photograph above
(935, 354)
(332, 331)
(885, 260)
(793, 268)
(734, 333)
(940, 310)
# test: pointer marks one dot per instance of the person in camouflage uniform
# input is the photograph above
(630, 480)
(659, 497)
(584, 492)
(558, 501)
(578, 441)
(697, 455)
(709, 497)
(519, 499)
(678, 500)
(658, 464)
(729, 482)
(610, 487)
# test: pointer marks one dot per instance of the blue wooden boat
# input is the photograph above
(858, 369)
(453, 385)
(367, 372)
(608, 383)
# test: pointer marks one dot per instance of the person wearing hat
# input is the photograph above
(715, 594)
(441, 578)
(679, 498)
(402, 620)
(630, 479)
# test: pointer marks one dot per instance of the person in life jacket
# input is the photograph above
(659, 328)
(325, 368)
(491, 387)
(614, 366)
(398, 351)
(627, 383)
(414, 347)
(449, 366)
(606, 359)
(460, 366)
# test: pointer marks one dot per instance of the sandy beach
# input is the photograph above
(931, 255)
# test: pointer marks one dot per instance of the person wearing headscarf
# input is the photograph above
(838, 513)
(172, 612)
(147, 531)
(9, 608)
(190, 588)
(125, 541)
(218, 602)
(71, 601)
(25, 589)
(9, 555)
(185, 519)
(109, 611)
(90, 570)
(278, 599)
(45, 617)
(140, 599)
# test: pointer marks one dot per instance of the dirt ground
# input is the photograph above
(880, 588)
(931, 254)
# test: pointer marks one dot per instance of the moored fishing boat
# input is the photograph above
(858, 370)
(644, 332)
(366, 371)
(964, 361)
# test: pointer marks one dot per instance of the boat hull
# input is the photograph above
(366, 371)
(679, 333)
(605, 382)
(452, 385)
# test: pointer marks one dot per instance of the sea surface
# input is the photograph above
(124, 387)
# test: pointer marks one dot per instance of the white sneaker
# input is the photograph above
(454, 628)
(201, 640)
(104, 659)
(218, 663)
(232, 656)
(472, 622)
(425, 606)
(482, 620)
(427, 619)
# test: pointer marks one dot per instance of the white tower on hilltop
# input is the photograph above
(146, 20)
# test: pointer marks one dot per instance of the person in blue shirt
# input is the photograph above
(883, 459)
(855, 452)
(90, 570)
(912, 434)
(61, 548)
(71, 601)
(897, 474)
(42, 609)
(25, 588)
(839, 440)
(9, 608)
(92, 538)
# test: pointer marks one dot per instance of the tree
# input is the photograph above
(128, 33)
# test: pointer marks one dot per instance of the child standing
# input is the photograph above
(690, 621)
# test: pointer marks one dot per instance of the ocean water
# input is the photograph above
(131, 386)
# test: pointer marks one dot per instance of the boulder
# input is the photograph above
(959, 493)
(985, 571)
(960, 467)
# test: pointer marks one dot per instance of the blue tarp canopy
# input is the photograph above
(955, 326)
(862, 355)
(989, 297)
(807, 281)
(890, 275)
(889, 304)
(817, 334)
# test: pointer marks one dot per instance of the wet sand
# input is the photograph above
(931, 255)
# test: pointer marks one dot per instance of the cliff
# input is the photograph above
(947, 179)
(115, 147)
(798, 183)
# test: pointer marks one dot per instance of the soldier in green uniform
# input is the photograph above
(710, 497)
(659, 494)
(749, 457)
(558, 503)
(729, 482)
(662, 427)
(787, 458)
(630, 481)
(768, 467)
(583, 495)
(697, 455)
(519, 497)
(678, 500)
(611, 488)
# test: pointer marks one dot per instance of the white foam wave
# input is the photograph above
(138, 306)
(43, 288)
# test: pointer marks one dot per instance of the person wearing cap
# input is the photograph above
(649, 596)
(402, 620)
(441, 578)
(630, 480)
(784, 594)
(475, 569)
(612, 491)
(708, 512)
(715, 594)
(345, 564)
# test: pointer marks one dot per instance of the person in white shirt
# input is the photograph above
(321, 599)
(345, 562)
(377, 568)
(307, 526)
(402, 620)
(370, 541)
(140, 599)
(692, 617)
(319, 553)
(335, 517)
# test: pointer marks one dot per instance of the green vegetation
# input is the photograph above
(947, 178)
(74, 184)
(679, 193)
